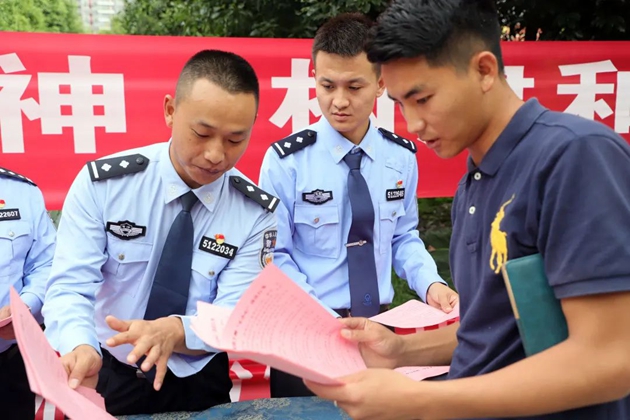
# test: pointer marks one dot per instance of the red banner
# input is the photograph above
(66, 99)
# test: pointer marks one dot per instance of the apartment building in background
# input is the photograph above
(97, 15)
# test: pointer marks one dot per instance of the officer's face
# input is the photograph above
(346, 90)
(445, 107)
(210, 131)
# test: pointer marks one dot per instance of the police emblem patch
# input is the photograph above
(317, 197)
(269, 245)
(125, 230)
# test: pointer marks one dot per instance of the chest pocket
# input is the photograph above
(126, 263)
(389, 212)
(15, 241)
(317, 230)
(205, 272)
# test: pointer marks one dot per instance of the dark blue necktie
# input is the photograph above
(364, 296)
(169, 293)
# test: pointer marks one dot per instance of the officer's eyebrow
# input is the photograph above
(211, 127)
(355, 80)
(413, 91)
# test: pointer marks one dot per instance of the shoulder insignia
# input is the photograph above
(10, 174)
(294, 143)
(407, 144)
(267, 201)
(103, 169)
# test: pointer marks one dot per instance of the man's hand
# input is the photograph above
(154, 339)
(379, 346)
(440, 296)
(82, 365)
(6, 332)
(374, 394)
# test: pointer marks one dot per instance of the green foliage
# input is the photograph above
(39, 16)
(569, 20)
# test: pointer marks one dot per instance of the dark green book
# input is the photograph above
(541, 322)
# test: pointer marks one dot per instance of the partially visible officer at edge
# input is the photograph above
(27, 245)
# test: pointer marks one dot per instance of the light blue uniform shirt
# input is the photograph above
(96, 274)
(27, 245)
(310, 247)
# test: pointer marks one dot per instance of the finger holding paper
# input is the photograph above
(374, 394)
(442, 297)
(6, 330)
(154, 339)
(380, 347)
(82, 365)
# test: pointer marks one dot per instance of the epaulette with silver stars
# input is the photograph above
(266, 200)
(294, 143)
(407, 144)
(10, 174)
(103, 169)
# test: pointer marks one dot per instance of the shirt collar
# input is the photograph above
(339, 146)
(174, 187)
(514, 132)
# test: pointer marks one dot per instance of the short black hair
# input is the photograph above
(343, 35)
(441, 31)
(227, 70)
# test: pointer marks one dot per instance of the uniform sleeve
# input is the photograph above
(76, 270)
(410, 258)
(39, 258)
(236, 277)
(585, 218)
(277, 181)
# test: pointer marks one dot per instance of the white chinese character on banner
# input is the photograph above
(90, 100)
(585, 104)
(622, 108)
(515, 76)
(297, 104)
(12, 87)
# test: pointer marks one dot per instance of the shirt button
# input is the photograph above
(11, 234)
(393, 213)
(471, 210)
(316, 220)
(477, 176)
(121, 257)
(211, 273)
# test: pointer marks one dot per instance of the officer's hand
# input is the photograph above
(440, 296)
(379, 346)
(6, 332)
(154, 339)
(82, 365)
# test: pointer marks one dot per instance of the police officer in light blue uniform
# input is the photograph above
(348, 192)
(147, 233)
(27, 245)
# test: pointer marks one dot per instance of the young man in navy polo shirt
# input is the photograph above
(538, 182)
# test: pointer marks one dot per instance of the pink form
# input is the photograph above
(46, 375)
(415, 314)
(278, 324)
(5, 321)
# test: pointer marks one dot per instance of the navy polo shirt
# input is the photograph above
(552, 183)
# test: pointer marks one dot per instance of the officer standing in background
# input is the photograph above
(348, 207)
(27, 245)
(147, 233)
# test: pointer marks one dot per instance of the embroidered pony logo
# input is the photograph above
(498, 240)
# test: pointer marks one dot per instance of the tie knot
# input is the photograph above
(188, 200)
(353, 159)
